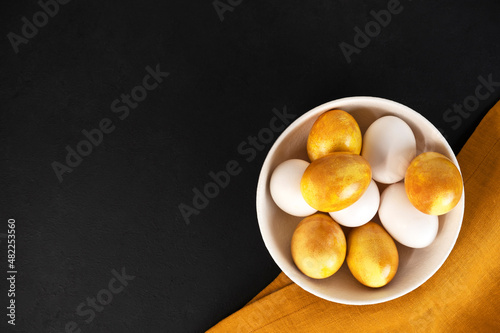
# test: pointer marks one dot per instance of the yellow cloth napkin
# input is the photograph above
(463, 295)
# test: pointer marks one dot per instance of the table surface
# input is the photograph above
(116, 115)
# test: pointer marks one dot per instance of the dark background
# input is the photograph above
(119, 207)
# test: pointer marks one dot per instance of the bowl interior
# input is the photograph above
(277, 227)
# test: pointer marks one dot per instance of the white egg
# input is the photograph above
(403, 221)
(362, 211)
(285, 188)
(389, 146)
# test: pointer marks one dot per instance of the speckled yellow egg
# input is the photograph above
(372, 255)
(433, 183)
(333, 131)
(318, 246)
(335, 181)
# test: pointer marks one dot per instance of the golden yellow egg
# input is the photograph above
(433, 183)
(333, 131)
(318, 246)
(372, 255)
(335, 181)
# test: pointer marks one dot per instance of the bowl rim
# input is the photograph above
(264, 174)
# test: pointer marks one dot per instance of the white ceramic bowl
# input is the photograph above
(277, 227)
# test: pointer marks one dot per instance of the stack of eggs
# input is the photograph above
(340, 186)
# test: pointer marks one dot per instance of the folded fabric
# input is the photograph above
(462, 296)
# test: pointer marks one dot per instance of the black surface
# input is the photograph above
(119, 207)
